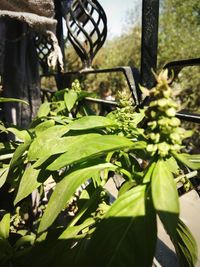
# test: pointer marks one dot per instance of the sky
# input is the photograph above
(117, 11)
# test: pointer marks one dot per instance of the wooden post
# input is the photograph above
(20, 74)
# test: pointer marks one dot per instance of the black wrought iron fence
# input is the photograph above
(87, 29)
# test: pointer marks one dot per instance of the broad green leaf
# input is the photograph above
(55, 131)
(28, 183)
(19, 152)
(148, 173)
(5, 99)
(5, 226)
(40, 128)
(192, 161)
(64, 191)
(185, 245)
(165, 196)
(70, 99)
(72, 231)
(3, 175)
(172, 165)
(127, 234)
(91, 122)
(6, 252)
(43, 148)
(126, 187)
(47, 143)
(44, 110)
(24, 240)
(22, 135)
(3, 128)
(89, 146)
(56, 252)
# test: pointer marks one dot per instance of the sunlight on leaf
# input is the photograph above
(64, 191)
(185, 245)
(127, 234)
(192, 161)
(165, 196)
(5, 226)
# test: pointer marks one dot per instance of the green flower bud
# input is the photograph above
(152, 148)
(153, 114)
(171, 112)
(175, 138)
(172, 103)
(180, 130)
(187, 186)
(152, 124)
(175, 147)
(163, 149)
(174, 122)
(167, 92)
(163, 122)
(163, 102)
(153, 103)
(155, 137)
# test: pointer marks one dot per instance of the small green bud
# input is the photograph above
(153, 103)
(175, 147)
(187, 186)
(163, 102)
(153, 114)
(174, 122)
(175, 138)
(155, 137)
(152, 148)
(163, 122)
(180, 130)
(167, 92)
(152, 124)
(163, 77)
(172, 103)
(163, 149)
(171, 112)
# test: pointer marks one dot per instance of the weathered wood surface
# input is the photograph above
(20, 74)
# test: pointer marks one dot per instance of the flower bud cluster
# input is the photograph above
(164, 133)
(126, 117)
(76, 86)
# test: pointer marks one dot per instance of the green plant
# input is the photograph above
(79, 155)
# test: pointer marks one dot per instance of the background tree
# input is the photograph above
(178, 39)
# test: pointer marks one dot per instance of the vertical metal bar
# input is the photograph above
(59, 34)
(59, 29)
(150, 22)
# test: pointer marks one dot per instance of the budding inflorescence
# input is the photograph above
(126, 117)
(163, 132)
(76, 86)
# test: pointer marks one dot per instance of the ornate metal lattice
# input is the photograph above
(87, 28)
(44, 48)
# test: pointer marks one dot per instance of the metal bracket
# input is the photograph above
(131, 75)
(177, 66)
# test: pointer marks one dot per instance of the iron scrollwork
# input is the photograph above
(87, 28)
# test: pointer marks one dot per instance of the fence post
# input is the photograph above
(150, 21)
